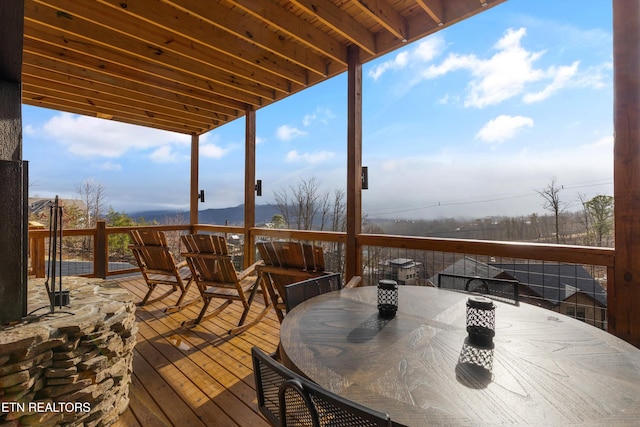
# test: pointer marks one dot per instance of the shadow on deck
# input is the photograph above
(196, 376)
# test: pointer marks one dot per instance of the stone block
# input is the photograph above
(13, 379)
(25, 364)
(60, 372)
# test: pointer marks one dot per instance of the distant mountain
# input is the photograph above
(230, 216)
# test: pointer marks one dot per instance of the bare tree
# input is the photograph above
(551, 195)
(299, 207)
(93, 195)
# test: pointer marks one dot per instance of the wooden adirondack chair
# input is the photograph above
(217, 278)
(286, 263)
(158, 266)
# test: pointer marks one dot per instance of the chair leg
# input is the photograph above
(267, 306)
(201, 317)
(178, 307)
(241, 328)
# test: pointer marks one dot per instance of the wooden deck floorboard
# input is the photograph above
(198, 376)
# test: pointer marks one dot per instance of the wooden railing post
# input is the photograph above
(100, 251)
(36, 253)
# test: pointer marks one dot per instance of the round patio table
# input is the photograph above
(542, 369)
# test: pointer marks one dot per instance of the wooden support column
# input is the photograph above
(13, 171)
(249, 185)
(624, 293)
(194, 185)
(353, 264)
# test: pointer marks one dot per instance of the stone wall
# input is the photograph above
(71, 367)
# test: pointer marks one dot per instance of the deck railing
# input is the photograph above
(90, 255)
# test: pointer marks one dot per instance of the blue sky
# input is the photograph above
(469, 122)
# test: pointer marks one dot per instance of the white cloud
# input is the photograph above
(321, 114)
(604, 143)
(505, 74)
(467, 187)
(287, 133)
(110, 166)
(212, 151)
(561, 77)
(424, 52)
(502, 128)
(510, 72)
(29, 130)
(312, 158)
(163, 155)
(91, 137)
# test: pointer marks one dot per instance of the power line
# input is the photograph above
(584, 184)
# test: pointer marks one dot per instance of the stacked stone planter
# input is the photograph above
(72, 367)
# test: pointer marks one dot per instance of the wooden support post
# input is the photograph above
(624, 296)
(353, 265)
(13, 171)
(101, 251)
(250, 184)
(194, 189)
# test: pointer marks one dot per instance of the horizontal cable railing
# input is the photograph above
(570, 280)
(557, 276)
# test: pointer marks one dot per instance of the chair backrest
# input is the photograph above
(304, 403)
(269, 376)
(209, 259)
(297, 292)
(288, 399)
(503, 289)
(151, 250)
(298, 256)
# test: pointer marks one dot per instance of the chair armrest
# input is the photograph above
(249, 270)
(356, 281)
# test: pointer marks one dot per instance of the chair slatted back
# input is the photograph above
(286, 263)
(151, 251)
(209, 259)
(292, 255)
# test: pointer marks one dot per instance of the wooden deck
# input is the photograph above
(198, 376)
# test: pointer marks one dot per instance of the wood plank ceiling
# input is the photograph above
(190, 66)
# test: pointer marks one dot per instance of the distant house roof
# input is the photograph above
(39, 204)
(402, 263)
(469, 267)
(555, 282)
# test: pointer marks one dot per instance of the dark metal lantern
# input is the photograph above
(387, 298)
(481, 320)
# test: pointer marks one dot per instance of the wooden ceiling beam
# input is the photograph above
(385, 15)
(205, 42)
(104, 101)
(115, 115)
(147, 58)
(453, 13)
(110, 108)
(244, 30)
(294, 27)
(102, 72)
(332, 16)
(434, 8)
(38, 76)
